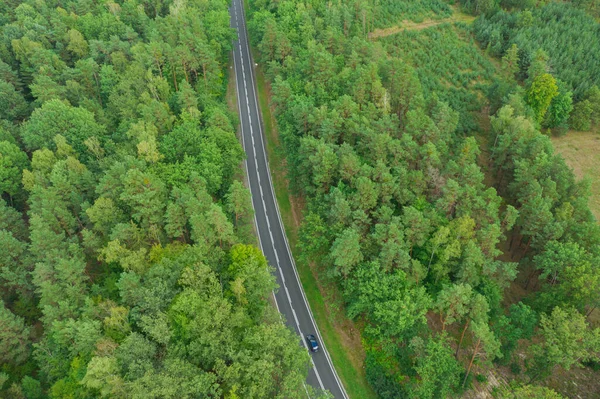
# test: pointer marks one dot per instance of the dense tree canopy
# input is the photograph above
(378, 138)
(573, 54)
(128, 269)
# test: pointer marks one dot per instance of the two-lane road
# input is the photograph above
(290, 297)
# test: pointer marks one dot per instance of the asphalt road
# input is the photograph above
(290, 297)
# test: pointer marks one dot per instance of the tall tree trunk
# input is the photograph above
(554, 279)
(462, 336)
(529, 278)
(512, 241)
(431, 260)
(527, 246)
(496, 141)
(590, 311)
(471, 362)
(185, 71)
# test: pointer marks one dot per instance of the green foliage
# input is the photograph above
(519, 324)
(573, 54)
(14, 337)
(54, 118)
(567, 341)
(437, 367)
(121, 211)
(453, 303)
(397, 209)
(448, 65)
(346, 252)
(239, 204)
(12, 163)
(250, 278)
(123, 261)
(560, 108)
(480, 6)
(593, 96)
(32, 388)
(581, 118)
(586, 113)
(12, 104)
(540, 94)
(388, 211)
(389, 12)
(535, 392)
(510, 60)
(550, 218)
(212, 151)
(381, 377)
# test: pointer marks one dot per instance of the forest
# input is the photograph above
(462, 244)
(545, 36)
(129, 267)
(435, 202)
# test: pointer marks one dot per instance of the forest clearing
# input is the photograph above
(581, 151)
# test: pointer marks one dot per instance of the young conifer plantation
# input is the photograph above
(127, 264)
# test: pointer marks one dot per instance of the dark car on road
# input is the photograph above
(313, 345)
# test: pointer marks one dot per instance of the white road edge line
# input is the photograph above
(287, 292)
(342, 389)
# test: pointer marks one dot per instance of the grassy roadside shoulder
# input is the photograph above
(347, 354)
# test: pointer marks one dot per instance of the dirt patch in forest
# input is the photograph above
(405, 25)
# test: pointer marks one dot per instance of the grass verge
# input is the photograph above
(341, 337)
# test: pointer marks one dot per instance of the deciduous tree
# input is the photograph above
(540, 94)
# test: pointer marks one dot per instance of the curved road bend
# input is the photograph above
(290, 297)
